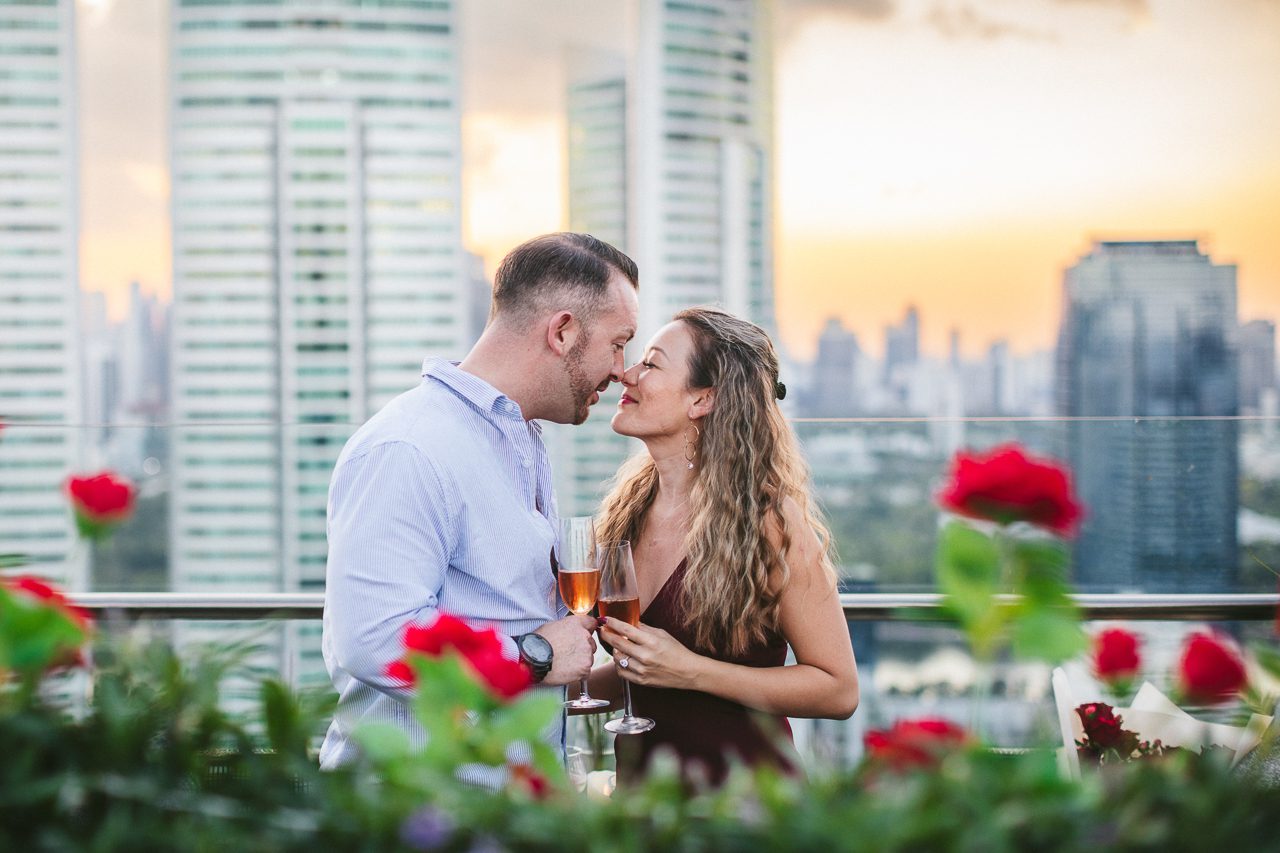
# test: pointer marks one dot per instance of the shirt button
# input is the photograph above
(525, 463)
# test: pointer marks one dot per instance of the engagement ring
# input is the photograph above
(624, 662)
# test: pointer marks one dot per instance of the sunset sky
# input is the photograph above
(955, 155)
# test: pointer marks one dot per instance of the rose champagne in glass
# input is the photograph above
(620, 599)
(579, 580)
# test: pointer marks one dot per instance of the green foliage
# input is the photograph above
(153, 763)
(34, 636)
(468, 725)
(969, 577)
(1041, 622)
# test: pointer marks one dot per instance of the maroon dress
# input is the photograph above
(707, 733)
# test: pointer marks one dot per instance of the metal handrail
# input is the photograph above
(859, 606)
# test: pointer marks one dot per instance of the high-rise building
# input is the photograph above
(1257, 365)
(40, 358)
(670, 159)
(1149, 333)
(585, 457)
(316, 258)
(901, 354)
(700, 188)
(835, 372)
(141, 344)
(596, 117)
(100, 370)
(1000, 373)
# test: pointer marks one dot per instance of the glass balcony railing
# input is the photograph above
(227, 543)
(1174, 505)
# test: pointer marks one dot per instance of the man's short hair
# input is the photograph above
(554, 271)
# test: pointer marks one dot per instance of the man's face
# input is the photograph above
(595, 358)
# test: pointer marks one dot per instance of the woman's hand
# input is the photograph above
(653, 657)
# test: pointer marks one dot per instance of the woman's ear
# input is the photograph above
(703, 402)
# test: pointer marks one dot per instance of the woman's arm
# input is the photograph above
(823, 682)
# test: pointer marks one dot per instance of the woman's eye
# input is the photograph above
(646, 364)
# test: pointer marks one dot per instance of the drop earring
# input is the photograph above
(691, 444)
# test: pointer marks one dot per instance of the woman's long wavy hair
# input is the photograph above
(747, 464)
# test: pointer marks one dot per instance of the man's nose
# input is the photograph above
(619, 371)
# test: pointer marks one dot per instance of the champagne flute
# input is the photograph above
(579, 580)
(620, 599)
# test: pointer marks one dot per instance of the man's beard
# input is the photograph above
(580, 387)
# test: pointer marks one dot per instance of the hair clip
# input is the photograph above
(779, 390)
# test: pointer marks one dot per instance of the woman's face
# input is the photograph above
(656, 398)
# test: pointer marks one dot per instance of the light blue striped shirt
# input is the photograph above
(441, 501)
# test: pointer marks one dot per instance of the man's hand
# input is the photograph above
(573, 648)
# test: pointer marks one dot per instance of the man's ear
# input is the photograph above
(562, 331)
(703, 402)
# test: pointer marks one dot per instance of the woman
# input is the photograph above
(731, 558)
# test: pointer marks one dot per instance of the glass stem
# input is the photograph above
(626, 700)
(585, 694)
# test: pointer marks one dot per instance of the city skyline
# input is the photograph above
(915, 199)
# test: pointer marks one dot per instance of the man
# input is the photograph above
(443, 500)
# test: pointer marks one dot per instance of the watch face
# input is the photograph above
(536, 648)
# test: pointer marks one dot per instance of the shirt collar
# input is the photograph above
(471, 388)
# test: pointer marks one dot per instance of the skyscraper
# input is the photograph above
(316, 256)
(835, 372)
(901, 352)
(1149, 332)
(1257, 365)
(585, 457)
(670, 159)
(40, 366)
(700, 188)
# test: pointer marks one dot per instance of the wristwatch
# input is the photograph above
(535, 653)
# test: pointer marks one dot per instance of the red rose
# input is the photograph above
(1210, 670)
(914, 743)
(1115, 657)
(1007, 485)
(531, 780)
(100, 502)
(482, 651)
(402, 672)
(38, 589)
(448, 632)
(506, 678)
(1104, 730)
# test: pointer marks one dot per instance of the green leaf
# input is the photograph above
(285, 729)
(1268, 658)
(968, 570)
(1050, 634)
(1047, 620)
(383, 742)
(547, 761)
(1045, 563)
(527, 718)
